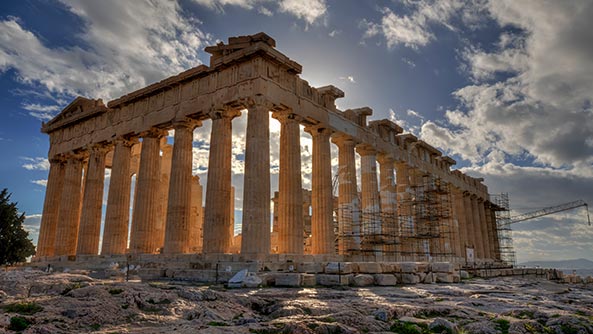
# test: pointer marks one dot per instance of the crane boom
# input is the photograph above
(550, 210)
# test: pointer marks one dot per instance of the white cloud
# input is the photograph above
(413, 28)
(413, 113)
(130, 45)
(334, 33)
(309, 11)
(348, 78)
(41, 112)
(38, 163)
(42, 183)
(542, 108)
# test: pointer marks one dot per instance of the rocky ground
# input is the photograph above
(37, 302)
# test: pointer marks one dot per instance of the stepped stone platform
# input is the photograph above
(282, 270)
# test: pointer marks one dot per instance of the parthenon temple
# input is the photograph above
(409, 205)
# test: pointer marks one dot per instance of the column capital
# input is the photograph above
(102, 147)
(340, 138)
(286, 116)
(186, 122)
(257, 102)
(127, 141)
(318, 130)
(384, 158)
(222, 111)
(154, 133)
(365, 149)
(57, 159)
(76, 156)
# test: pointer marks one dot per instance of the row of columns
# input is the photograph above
(70, 228)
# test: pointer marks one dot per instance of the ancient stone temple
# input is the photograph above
(410, 205)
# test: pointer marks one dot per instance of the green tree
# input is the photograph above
(15, 245)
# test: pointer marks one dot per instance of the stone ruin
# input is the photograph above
(419, 210)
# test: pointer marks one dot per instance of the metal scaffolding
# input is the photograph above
(503, 227)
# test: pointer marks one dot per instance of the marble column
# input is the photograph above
(404, 210)
(348, 201)
(196, 219)
(490, 230)
(469, 223)
(163, 201)
(477, 231)
(216, 237)
(370, 202)
(144, 218)
(232, 217)
(484, 230)
(496, 240)
(459, 216)
(117, 214)
(51, 208)
(290, 189)
(322, 227)
(92, 202)
(256, 188)
(69, 213)
(388, 195)
(178, 228)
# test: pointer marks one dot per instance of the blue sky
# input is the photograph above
(504, 87)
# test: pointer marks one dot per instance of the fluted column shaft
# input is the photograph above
(178, 228)
(145, 215)
(69, 214)
(371, 205)
(484, 230)
(490, 230)
(496, 241)
(406, 224)
(322, 230)
(477, 232)
(459, 215)
(117, 214)
(216, 236)
(196, 221)
(348, 201)
(51, 208)
(469, 217)
(290, 200)
(92, 202)
(256, 189)
(388, 195)
(163, 201)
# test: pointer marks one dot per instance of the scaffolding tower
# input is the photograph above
(503, 227)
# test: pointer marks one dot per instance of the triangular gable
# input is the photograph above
(81, 108)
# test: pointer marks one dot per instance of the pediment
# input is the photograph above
(81, 108)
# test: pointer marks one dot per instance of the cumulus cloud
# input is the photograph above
(309, 11)
(542, 106)
(129, 46)
(37, 163)
(413, 27)
(42, 182)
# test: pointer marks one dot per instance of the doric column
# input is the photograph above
(178, 228)
(484, 230)
(322, 230)
(256, 187)
(232, 217)
(51, 208)
(477, 232)
(92, 202)
(348, 201)
(496, 241)
(196, 219)
(490, 230)
(469, 223)
(143, 238)
(404, 210)
(69, 214)
(290, 200)
(163, 201)
(388, 195)
(370, 203)
(216, 237)
(117, 214)
(459, 216)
